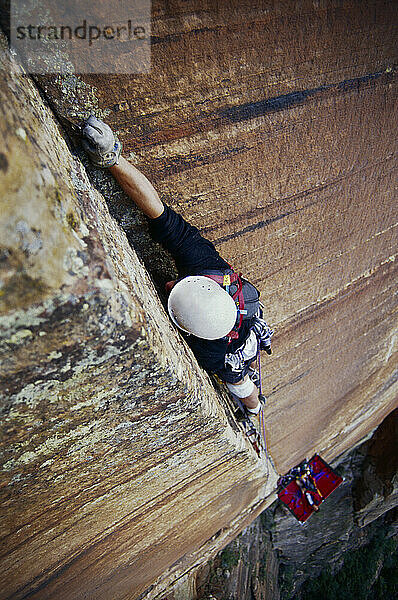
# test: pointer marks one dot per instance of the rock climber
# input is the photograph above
(217, 311)
(305, 481)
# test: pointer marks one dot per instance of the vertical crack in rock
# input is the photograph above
(263, 127)
(117, 456)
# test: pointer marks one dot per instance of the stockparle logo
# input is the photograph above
(81, 36)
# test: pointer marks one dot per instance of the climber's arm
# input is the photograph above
(103, 148)
(190, 250)
(138, 188)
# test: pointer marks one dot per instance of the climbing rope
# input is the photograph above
(262, 415)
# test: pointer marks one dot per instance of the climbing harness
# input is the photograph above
(245, 295)
(226, 280)
(311, 477)
(249, 308)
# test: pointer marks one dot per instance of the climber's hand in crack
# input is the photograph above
(100, 143)
(103, 149)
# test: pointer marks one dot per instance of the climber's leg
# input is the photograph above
(310, 501)
(246, 391)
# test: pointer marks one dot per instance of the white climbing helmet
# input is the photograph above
(198, 305)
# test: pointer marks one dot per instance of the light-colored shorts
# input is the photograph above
(242, 389)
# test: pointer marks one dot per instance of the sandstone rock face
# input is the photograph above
(118, 459)
(271, 127)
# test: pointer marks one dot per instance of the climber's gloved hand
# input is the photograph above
(254, 376)
(100, 143)
(263, 333)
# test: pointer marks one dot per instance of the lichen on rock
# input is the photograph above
(118, 458)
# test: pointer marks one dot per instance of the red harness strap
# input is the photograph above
(225, 281)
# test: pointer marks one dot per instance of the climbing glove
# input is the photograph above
(100, 143)
(263, 333)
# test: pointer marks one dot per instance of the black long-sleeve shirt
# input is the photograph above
(193, 254)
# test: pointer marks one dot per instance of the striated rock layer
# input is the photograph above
(118, 459)
(270, 126)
